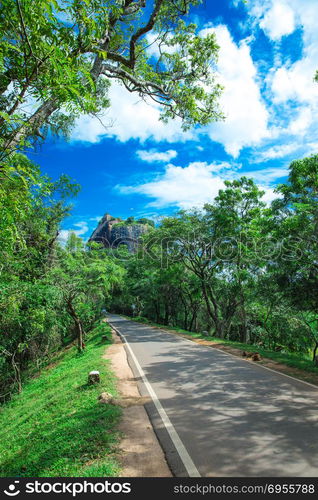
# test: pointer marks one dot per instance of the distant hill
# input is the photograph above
(113, 232)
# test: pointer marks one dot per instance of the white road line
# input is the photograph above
(181, 449)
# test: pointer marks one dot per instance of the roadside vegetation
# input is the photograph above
(131, 221)
(56, 427)
(239, 269)
(57, 61)
(49, 293)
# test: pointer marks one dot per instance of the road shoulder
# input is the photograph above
(140, 453)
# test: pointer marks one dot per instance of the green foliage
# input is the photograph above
(146, 221)
(47, 293)
(63, 56)
(238, 269)
(84, 280)
(56, 426)
(130, 221)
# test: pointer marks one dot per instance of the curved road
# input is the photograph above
(218, 415)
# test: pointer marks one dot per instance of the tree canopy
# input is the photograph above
(58, 59)
(240, 269)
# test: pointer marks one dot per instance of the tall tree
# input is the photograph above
(32, 322)
(296, 217)
(84, 278)
(236, 212)
(57, 59)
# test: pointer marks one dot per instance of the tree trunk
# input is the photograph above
(212, 315)
(167, 315)
(186, 314)
(243, 329)
(315, 357)
(35, 122)
(80, 344)
(157, 310)
(17, 373)
(219, 329)
(78, 326)
(192, 321)
(242, 313)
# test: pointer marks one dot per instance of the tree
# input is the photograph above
(15, 201)
(297, 220)
(236, 213)
(190, 238)
(65, 67)
(145, 220)
(32, 322)
(84, 279)
(243, 270)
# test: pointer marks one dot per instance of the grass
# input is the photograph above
(293, 360)
(56, 427)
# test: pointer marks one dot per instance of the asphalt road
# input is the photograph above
(233, 418)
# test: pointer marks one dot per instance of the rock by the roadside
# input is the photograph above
(94, 377)
(247, 354)
(105, 398)
(254, 355)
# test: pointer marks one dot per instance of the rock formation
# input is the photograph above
(113, 232)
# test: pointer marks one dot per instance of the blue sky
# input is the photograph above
(139, 166)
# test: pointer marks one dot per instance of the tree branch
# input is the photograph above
(142, 31)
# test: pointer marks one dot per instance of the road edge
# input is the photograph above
(140, 453)
(181, 465)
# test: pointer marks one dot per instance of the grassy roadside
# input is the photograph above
(56, 426)
(298, 361)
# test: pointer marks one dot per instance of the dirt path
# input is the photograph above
(140, 453)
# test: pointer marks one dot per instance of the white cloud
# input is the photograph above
(269, 195)
(278, 21)
(267, 176)
(186, 187)
(279, 151)
(96, 219)
(91, 129)
(129, 117)
(198, 183)
(296, 82)
(246, 114)
(290, 84)
(302, 122)
(247, 117)
(152, 155)
(313, 148)
(292, 81)
(82, 229)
